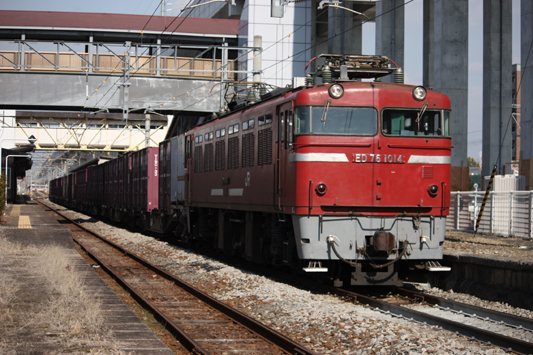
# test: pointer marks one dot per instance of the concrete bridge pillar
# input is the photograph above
(446, 71)
(497, 73)
(390, 21)
(526, 106)
(345, 31)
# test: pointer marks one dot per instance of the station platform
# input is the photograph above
(29, 224)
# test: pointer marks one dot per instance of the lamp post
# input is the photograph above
(14, 156)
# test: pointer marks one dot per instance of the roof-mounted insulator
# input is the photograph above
(326, 74)
(399, 76)
(309, 80)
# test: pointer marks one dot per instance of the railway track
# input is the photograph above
(497, 328)
(500, 329)
(202, 324)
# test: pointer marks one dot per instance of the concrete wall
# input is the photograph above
(491, 279)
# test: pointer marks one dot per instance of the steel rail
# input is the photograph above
(469, 309)
(517, 345)
(284, 343)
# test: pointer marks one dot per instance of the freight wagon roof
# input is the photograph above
(109, 22)
(95, 161)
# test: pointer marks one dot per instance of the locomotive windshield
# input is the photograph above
(416, 122)
(335, 120)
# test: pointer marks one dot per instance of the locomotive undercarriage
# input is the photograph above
(377, 258)
(355, 252)
(254, 236)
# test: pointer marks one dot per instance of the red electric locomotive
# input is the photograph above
(348, 179)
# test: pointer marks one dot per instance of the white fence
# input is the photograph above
(506, 213)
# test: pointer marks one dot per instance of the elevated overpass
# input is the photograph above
(114, 69)
(54, 60)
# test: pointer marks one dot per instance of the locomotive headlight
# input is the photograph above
(419, 93)
(433, 190)
(321, 189)
(336, 91)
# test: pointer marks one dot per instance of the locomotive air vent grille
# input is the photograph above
(220, 155)
(208, 157)
(248, 141)
(198, 159)
(233, 153)
(264, 147)
(427, 172)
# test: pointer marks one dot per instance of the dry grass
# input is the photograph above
(70, 308)
(58, 314)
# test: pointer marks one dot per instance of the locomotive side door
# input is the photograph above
(187, 162)
(278, 171)
(284, 122)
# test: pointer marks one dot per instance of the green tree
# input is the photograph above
(472, 163)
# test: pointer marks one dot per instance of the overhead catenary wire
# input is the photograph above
(242, 55)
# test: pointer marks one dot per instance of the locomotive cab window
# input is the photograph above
(328, 120)
(416, 122)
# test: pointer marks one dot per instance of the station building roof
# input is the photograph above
(45, 24)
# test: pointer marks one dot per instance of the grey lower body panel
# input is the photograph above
(425, 237)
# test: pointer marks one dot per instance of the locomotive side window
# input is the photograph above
(248, 124)
(217, 133)
(263, 120)
(447, 123)
(288, 142)
(335, 120)
(415, 122)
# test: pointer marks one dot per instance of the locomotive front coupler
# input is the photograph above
(331, 241)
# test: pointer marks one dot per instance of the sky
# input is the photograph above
(413, 41)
